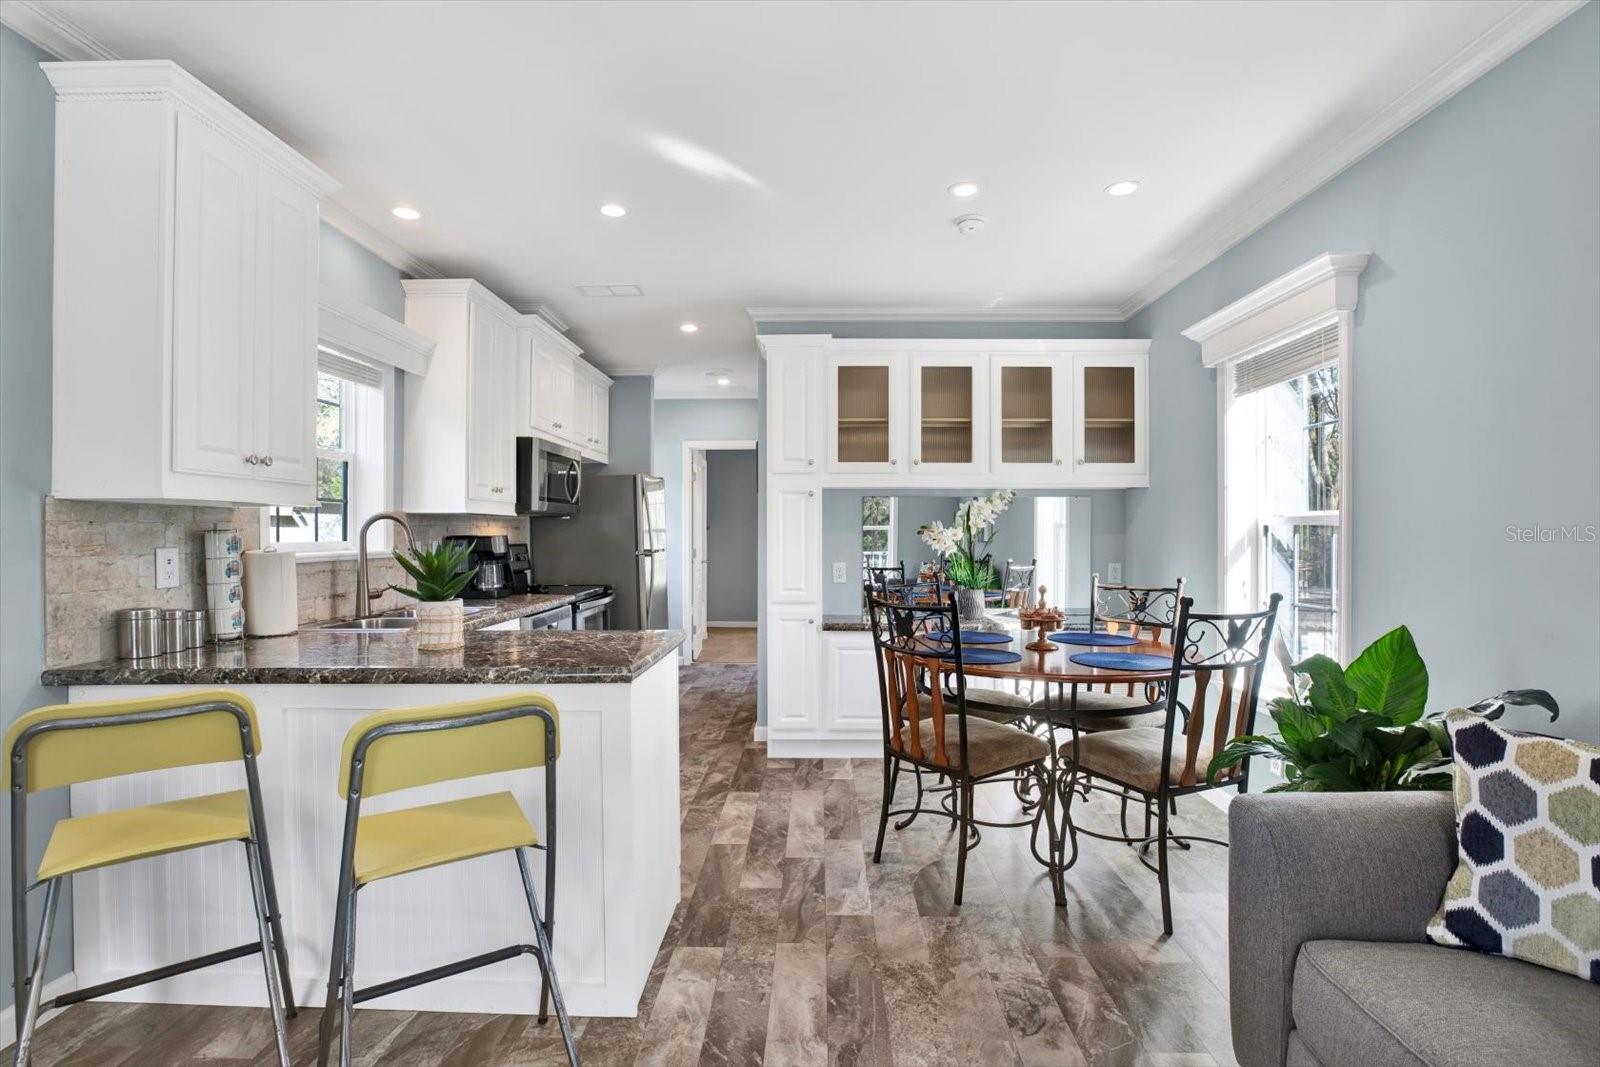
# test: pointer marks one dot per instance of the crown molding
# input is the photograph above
(363, 331)
(964, 313)
(1283, 187)
(633, 370)
(52, 31)
(369, 237)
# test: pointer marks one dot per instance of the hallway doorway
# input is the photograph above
(720, 551)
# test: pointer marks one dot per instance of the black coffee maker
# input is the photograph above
(489, 553)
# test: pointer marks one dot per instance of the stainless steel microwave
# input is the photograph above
(549, 478)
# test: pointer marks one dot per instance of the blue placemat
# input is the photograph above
(1084, 637)
(976, 656)
(1123, 661)
(974, 637)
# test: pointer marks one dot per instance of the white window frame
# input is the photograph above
(892, 529)
(371, 413)
(1319, 293)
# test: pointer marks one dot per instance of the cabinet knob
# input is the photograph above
(252, 459)
(1058, 463)
(811, 622)
(916, 463)
(266, 461)
(558, 426)
(894, 463)
(811, 492)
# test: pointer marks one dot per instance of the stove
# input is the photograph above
(591, 610)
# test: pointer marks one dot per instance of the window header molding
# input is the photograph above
(1307, 298)
(362, 331)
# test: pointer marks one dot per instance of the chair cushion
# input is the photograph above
(1133, 756)
(1527, 818)
(412, 839)
(991, 747)
(1378, 1003)
(89, 841)
(998, 705)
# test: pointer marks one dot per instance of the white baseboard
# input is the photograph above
(824, 747)
(760, 733)
(8, 1017)
(733, 625)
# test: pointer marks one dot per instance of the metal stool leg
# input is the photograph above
(269, 958)
(347, 1004)
(546, 962)
(30, 1018)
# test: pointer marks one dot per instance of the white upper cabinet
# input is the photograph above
(1110, 415)
(866, 410)
(461, 421)
(567, 400)
(794, 403)
(794, 540)
(949, 419)
(185, 330)
(955, 413)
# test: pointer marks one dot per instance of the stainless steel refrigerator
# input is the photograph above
(617, 538)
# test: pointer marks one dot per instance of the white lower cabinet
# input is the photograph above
(852, 705)
(793, 636)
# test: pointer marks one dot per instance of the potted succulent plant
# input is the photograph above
(964, 545)
(440, 574)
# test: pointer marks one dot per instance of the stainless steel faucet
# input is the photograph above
(364, 597)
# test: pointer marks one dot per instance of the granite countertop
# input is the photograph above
(845, 622)
(506, 657)
(481, 613)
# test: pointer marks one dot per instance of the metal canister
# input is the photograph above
(174, 630)
(139, 634)
(194, 629)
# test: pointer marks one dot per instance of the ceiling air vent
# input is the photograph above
(610, 290)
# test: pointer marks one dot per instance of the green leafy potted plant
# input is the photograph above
(965, 547)
(440, 573)
(1362, 727)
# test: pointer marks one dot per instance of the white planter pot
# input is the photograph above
(439, 625)
(970, 603)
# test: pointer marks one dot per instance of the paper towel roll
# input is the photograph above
(271, 601)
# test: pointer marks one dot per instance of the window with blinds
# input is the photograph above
(347, 368)
(1286, 361)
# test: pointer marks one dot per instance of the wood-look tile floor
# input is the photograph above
(728, 644)
(791, 947)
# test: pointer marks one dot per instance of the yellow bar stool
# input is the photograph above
(71, 743)
(411, 747)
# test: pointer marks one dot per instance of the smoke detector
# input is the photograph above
(970, 224)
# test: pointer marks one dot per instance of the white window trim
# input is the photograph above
(373, 478)
(892, 528)
(1313, 296)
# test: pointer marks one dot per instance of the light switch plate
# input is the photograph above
(838, 573)
(166, 568)
(1114, 573)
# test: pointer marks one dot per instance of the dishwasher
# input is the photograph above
(554, 619)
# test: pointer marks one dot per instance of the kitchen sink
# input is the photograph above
(381, 624)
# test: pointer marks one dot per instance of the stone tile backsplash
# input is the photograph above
(100, 557)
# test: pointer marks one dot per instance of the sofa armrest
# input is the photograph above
(1313, 866)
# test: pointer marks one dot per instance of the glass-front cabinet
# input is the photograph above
(1110, 402)
(1030, 400)
(949, 414)
(866, 395)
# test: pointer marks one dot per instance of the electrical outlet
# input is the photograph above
(1114, 573)
(166, 568)
(838, 573)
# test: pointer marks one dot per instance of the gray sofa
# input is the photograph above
(1328, 898)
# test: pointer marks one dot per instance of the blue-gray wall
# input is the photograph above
(27, 193)
(347, 270)
(731, 535)
(632, 423)
(677, 421)
(1476, 355)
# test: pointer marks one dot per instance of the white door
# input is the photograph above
(794, 536)
(286, 331)
(866, 404)
(794, 412)
(949, 423)
(699, 564)
(793, 688)
(214, 302)
(1030, 412)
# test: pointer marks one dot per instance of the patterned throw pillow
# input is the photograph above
(1528, 822)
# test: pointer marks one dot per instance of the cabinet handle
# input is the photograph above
(252, 459)
(916, 463)
(811, 492)
(811, 622)
(266, 461)
(558, 426)
(811, 463)
(1058, 463)
(894, 462)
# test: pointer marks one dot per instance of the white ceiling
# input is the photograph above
(798, 154)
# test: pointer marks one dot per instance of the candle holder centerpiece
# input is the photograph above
(1044, 618)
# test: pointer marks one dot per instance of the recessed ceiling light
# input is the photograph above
(410, 214)
(724, 382)
(689, 327)
(613, 211)
(964, 189)
(1122, 188)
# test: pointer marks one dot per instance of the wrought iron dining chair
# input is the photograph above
(927, 725)
(1147, 612)
(1160, 764)
(1016, 582)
